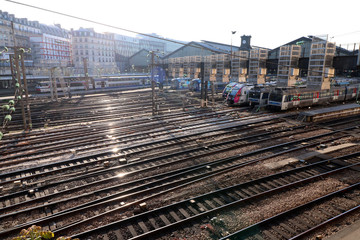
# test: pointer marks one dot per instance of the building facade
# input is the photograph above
(23, 30)
(98, 49)
(51, 48)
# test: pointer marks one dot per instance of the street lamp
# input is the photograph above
(232, 33)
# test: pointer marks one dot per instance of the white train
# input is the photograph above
(128, 81)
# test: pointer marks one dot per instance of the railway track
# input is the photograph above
(168, 218)
(141, 159)
(209, 168)
(135, 140)
(301, 221)
(124, 130)
(95, 108)
(61, 167)
(33, 176)
(49, 169)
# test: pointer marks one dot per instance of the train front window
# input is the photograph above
(276, 97)
(254, 94)
(234, 91)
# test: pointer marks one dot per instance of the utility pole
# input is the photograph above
(206, 92)
(53, 84)
(202, 92)
(152, 82)
(212, 93)
(204, 86)
(12, 70)
(86, 74)
(17, 76)
(26, 90)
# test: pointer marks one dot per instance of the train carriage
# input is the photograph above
(239, 94)
(121, 81)
(228, 89)
(285, 99)
(180, 83)
(44, 87)
(76, 84)
(259, 95)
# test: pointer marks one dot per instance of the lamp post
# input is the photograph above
(232, 33)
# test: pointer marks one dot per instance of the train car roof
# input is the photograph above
(297, 90)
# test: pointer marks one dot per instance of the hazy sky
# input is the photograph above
(271, 23)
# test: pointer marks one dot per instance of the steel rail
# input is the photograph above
(201, 177)
(226, 206)
(243, 233)
(167, 156)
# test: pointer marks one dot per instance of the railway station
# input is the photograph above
(208, 141)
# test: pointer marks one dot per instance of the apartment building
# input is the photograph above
(97, 48)
(51, 48)
(23, 29)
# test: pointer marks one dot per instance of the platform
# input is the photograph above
(329, 113)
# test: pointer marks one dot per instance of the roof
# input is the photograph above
(216, 48)
(305, 39)
(221, 46)
(139, 52)
(54, 30)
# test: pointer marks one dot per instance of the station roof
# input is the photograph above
(339, 49)
(216, 48)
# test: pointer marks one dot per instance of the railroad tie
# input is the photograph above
(210, 204)
(258, 237)
(143, 226)
(117, 234)
(184, 213)
(299, 225)
(281, 232)
(7, 203)
(303, 222)
(164, 219)
(174, 215)
(266, 186)
(269, 235)
(105, 237)
(132, 230)
(287, 228)
(226, 198)
(201, 208)
(193, 210)
(242, 195)
(153, 223)
(247, 192)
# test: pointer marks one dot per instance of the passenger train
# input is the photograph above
(180, 83)
(259, 96)
(238, 93)
(44, 87)
(228, 89)
(285, 99)
(126, 81)
(122, 81)
(195, 85)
